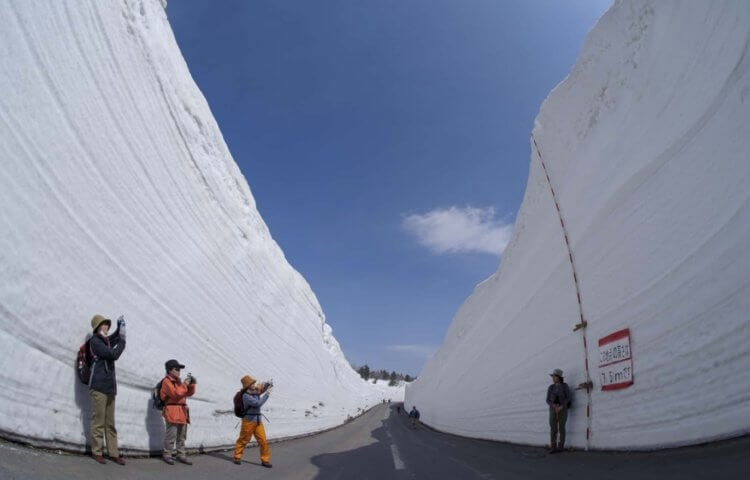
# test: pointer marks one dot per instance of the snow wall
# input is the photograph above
(119, 195)
(646, 145)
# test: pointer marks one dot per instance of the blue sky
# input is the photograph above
(386, 142)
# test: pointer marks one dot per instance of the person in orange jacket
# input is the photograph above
(176, 413)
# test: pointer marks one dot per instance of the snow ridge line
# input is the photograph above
(582, 325)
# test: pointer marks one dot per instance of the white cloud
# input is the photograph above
(460, 230)
(418, 350)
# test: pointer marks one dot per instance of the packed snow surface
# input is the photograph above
(119, 196)
(646, 146)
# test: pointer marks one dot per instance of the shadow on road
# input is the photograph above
(370, 462)
(229, 457)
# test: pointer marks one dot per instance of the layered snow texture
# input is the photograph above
(646, 145)
(119, 195)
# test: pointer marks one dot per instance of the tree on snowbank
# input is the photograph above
(393, 377)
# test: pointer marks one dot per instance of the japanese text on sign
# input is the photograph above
(614, 352)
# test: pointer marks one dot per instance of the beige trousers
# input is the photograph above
(103, 424)
(174, 439)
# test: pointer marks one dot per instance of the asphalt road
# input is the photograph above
(381, 445)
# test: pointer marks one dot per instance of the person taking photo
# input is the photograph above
(176, 413)
(105, 350)
(253, 400)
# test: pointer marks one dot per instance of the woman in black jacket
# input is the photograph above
(103, 386)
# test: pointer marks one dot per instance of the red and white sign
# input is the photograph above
(615, 360)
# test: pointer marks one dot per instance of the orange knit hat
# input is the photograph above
(247, 380)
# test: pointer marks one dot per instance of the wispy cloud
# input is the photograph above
(460, 230)
(418, 350)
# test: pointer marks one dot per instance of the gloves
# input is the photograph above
(121, 326)
(193, 380)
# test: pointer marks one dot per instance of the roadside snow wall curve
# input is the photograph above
(119, 195)
(646, 145)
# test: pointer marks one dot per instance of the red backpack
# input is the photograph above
(239, 407)
(83, 363)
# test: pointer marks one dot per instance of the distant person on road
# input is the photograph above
(105, 351)
(559, 401)
(414, 416)
(174, 391)
(252, 400)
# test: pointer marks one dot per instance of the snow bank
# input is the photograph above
(119, 195)
(646, 145)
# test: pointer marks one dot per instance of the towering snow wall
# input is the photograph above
(119, 195)
(646, 146)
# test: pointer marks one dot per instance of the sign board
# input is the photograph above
(615, 360)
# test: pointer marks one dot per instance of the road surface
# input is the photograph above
(381, 445)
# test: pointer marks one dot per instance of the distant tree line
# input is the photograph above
(393, 377)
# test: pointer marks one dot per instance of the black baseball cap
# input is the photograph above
(173, 364)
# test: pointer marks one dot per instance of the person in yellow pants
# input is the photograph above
(252, 424)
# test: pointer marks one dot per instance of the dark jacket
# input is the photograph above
(559, 394)
(252, 403)
(414, 413)
(105, 350)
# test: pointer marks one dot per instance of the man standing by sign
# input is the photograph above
(559, 401)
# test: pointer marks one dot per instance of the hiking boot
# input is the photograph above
(99, 459)
(169, 460)
(266, 464)
(184, 460)
(119, 460)
(237, 461)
